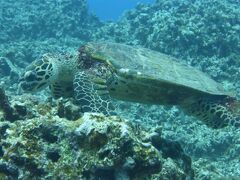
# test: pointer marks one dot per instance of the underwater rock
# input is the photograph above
(94, 146)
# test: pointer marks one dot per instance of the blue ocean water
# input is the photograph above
(112, 9)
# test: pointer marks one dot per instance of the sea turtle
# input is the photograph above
(100, 71)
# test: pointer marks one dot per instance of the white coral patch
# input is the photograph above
(123, 70)
(90, 125)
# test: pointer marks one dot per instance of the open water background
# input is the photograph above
(112, 9)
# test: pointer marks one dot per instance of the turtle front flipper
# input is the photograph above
(92, 94)
(216, 114)
(61, 89)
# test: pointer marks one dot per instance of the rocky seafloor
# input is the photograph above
(53, 139)
(46, 143)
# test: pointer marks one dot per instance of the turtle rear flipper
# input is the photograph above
(215, 114)
(93, 97)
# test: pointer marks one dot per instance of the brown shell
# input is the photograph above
(152, 67)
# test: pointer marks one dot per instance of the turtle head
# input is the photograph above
(38, 75)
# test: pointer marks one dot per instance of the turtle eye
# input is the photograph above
(30, 76)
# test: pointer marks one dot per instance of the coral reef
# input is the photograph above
(45, 19)
(93, 146)
(30, 29)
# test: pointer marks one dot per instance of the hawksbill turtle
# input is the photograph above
(100, 71)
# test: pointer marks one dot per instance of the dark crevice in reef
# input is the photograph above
(173, 150)
(101, 173)
(107, 174)
(9, 170)
(11, 113)
(48, 136)
(1, 151)
(53, 155)
(28, 165)
(33, 168)
(3, 129)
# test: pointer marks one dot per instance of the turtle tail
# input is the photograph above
(216, 113)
